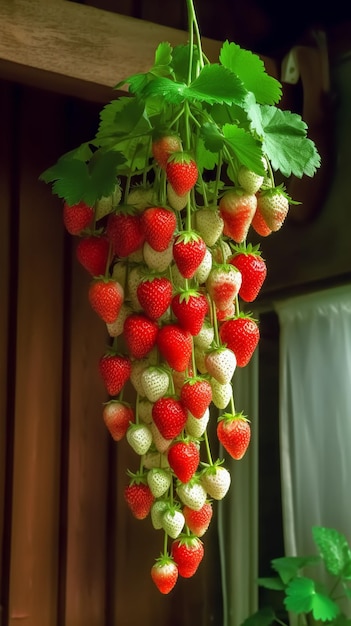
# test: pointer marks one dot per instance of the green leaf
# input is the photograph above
(303, 597)
(246, 148)
(172, 91)
(288, 567)
(342, 620)
(216, 84)
(212, 137)
(163, 54)
(334, 550)
(180, 62)
(286, 144)
(263, 617)
(120, 118)
(205, 159)
(250, 69)
(275, 583)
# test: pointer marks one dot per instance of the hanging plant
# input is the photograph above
(163, 201)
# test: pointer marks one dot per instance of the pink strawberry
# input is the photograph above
(237, 209)
(175, 346)
(155, 294)
(188, 252)
(196, 395)
(117, 416)
(273, 204)
(259, 225)
(77, 217)
(253, 270)
(106, 297)
(184, 458)
(241, 335)
(198, 521)
(115, 370)
(93, 254)
(163, 146)
(181, 172)
(158, 226)
(169, 416)
(190, 308)
(140, 334)
(187, 552)
(138, 496)
(164, 574)
(223, 284)
(234, 433)
(125, 233)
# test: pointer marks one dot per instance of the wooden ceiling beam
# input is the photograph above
(80, 50)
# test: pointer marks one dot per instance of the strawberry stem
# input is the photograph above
(208, 450)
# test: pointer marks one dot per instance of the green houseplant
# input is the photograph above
(302, 593)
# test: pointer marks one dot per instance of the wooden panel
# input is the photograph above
(37, 414)
(79, 49)
(7, 272)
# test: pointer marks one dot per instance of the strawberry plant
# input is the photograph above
(306, 596)
(162, 202)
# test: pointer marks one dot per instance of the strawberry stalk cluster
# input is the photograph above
(162, 202)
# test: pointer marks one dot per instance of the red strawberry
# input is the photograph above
(163, 147)
(253, 269)
(181, 172)
(106, 298)
(237, 209)
(241, 335)
(184, 458)
(77, 217)
(117, 416)
(115, 370)
(190, 308)
(140, 334)
(187, 552)
(125, 233)
(138, 496)
(189, 250)
(198, 521)
(273, 204)
(234, 433)
(196, 395)
(164, 573)
(159, 225)
(155, 294)
(259, 225)
(223, 284)
(175, 346)
(93, 254)
(169, 416)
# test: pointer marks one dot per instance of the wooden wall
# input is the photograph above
(72, 555)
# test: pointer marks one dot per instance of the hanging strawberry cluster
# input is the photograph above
(163, 201)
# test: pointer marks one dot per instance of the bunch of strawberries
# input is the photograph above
(170, 279)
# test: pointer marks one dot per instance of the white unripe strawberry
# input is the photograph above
(221, 364)
(135, 277)
(221, 252)
(178, 203)
(205, 337)
(216, 480)
(156, 513)
(221, 394)
(119, 272)
(139, 438)
(155, 382)
(196, 426)
(138, 366)
(159, 481)
(173, 522)
(158, 261)
(204, 268)
(209, 225)
(106, 204)
(153, 458)
(249, 180)
(200, 359)
(145, 410)
(192, 494)
(140, 196)
(116, 328)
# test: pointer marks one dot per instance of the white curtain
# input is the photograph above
(315, 415)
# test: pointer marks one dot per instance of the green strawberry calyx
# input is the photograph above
(187, 236)
(181, 158)
(137, 478)
(232, 417)
(186, 294)
(247, 248)
(210, 468)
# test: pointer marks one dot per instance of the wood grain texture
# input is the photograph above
(37, 410)
(80, 50)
